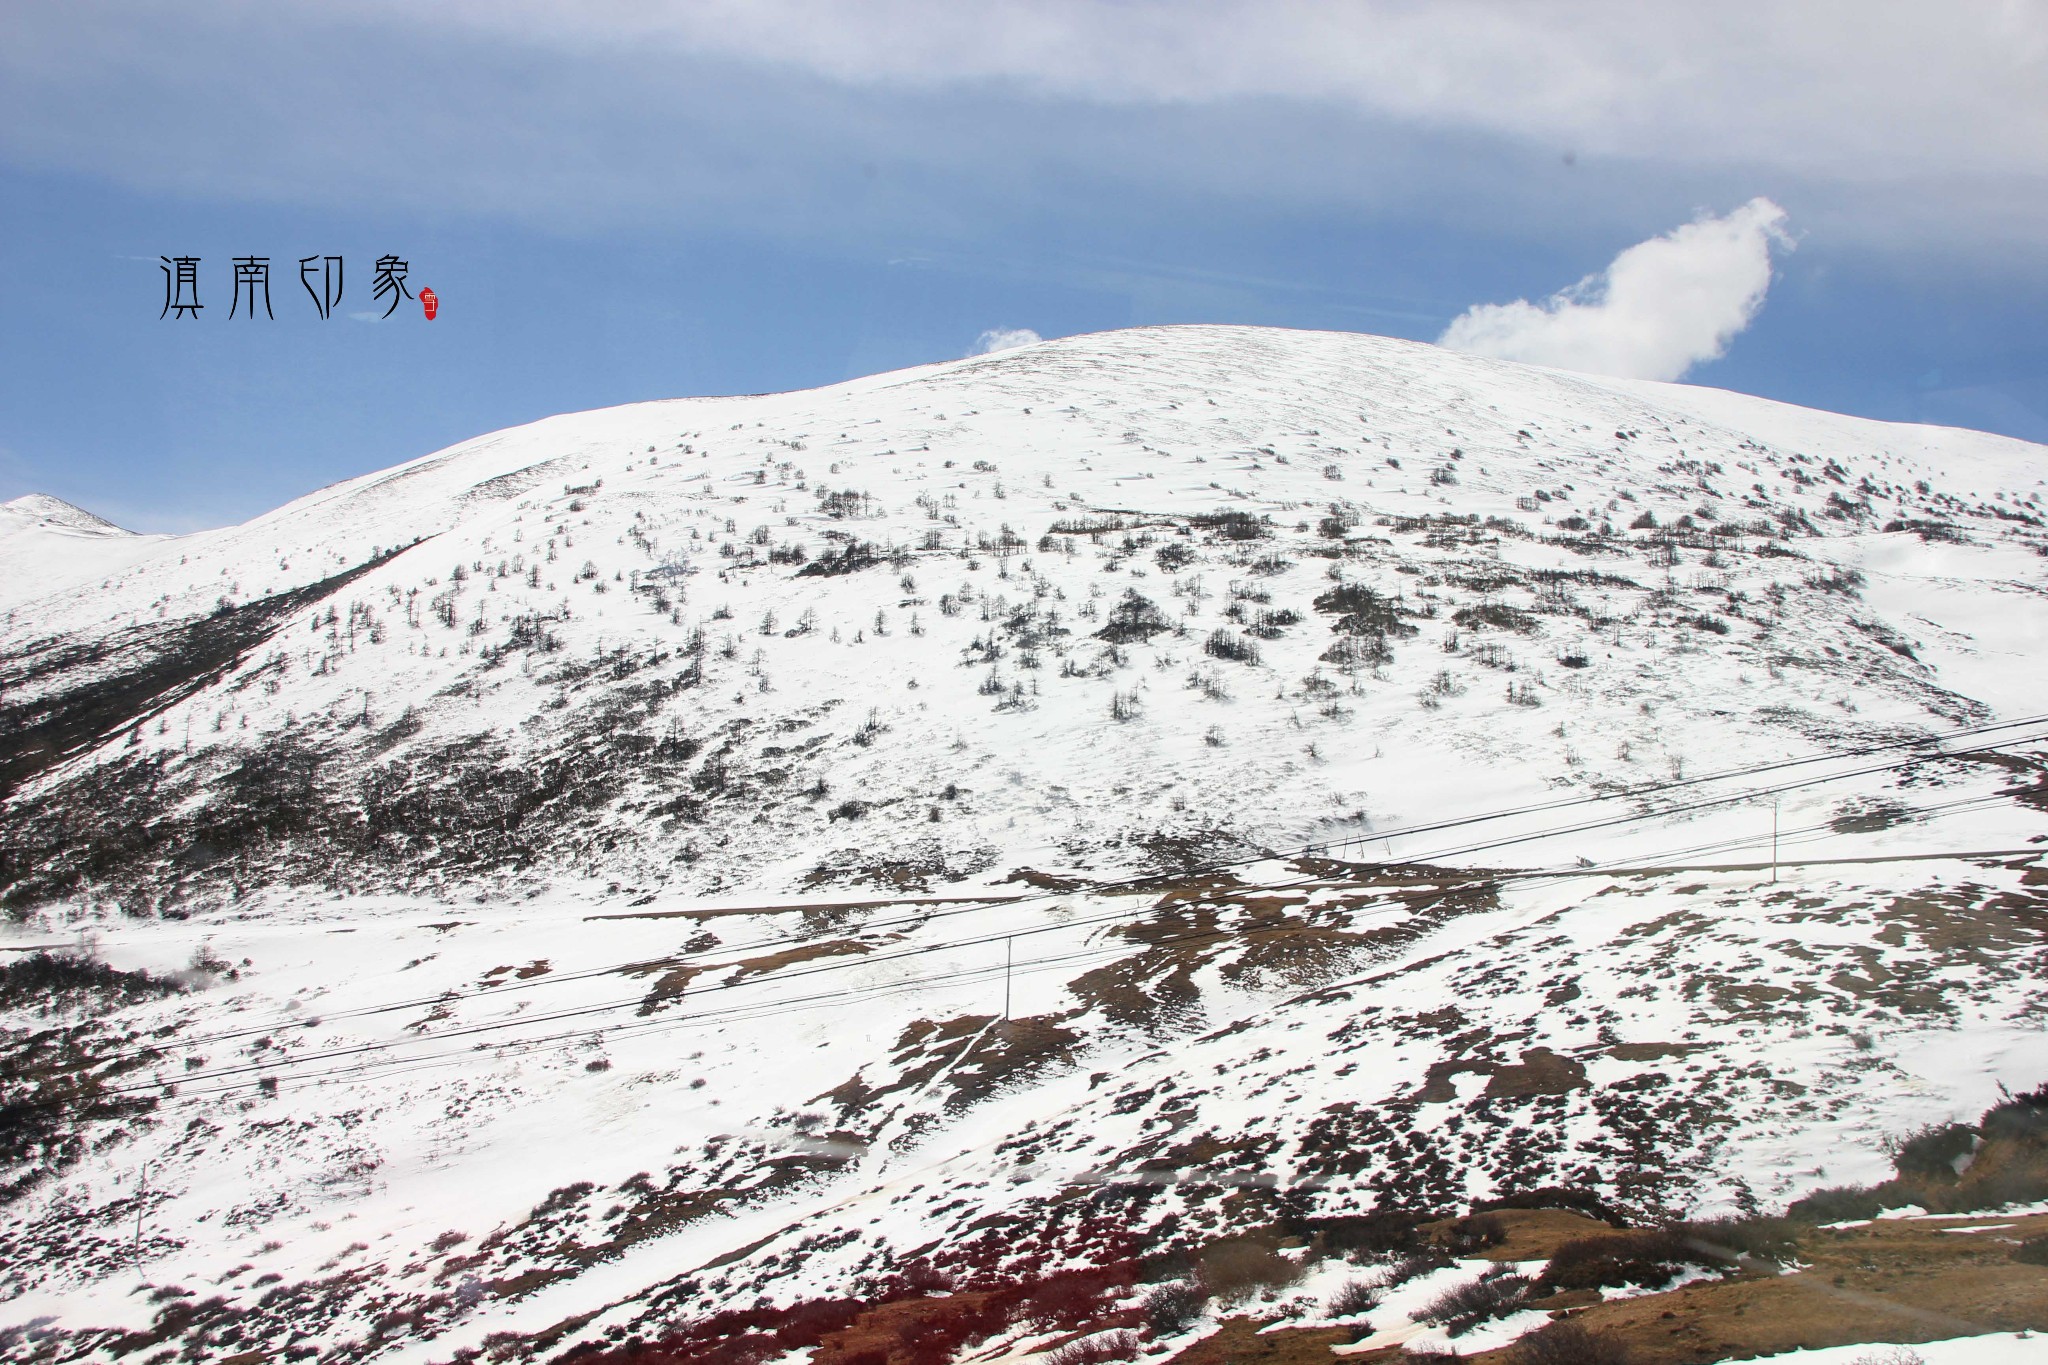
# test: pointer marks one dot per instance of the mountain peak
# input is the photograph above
(40, 509)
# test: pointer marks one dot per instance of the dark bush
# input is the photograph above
(853, 556)
(1466, 1306)
(1837, 1204)
(1380, 1232)
(1222, 644)
(44, 980)
(1174, 556)
(1096, 1350)
(1726, 1239)
(1415, 1265)
(1555, 1197)
(1931, 1153)
(1568, 1343)
(2018, 1118)
(1361, 611)
(1135, 617)
(1475, 1233)
(2033, 1251)
(1498, 615)
(1173, 1308)
(1650, 1260)
(1237, 1268)
(1354, 1297)
(1233, 525)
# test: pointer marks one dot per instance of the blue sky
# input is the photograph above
(618, 201)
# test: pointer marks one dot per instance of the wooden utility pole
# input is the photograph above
(141, 1191)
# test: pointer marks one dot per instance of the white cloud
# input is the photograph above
(1659, 308)
(1003, 339)
(906, 121)
(1921, 87)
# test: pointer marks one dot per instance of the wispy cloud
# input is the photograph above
(1003, 339)
(1658, 309)
(1918, 89)
(800, 117)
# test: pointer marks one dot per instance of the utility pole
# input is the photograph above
(1774, 840)
(1009, 955)
(141, 1191)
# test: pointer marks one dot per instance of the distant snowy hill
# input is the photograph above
(46, 543)
(1355, 757)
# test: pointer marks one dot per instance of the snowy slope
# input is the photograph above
(592, 624)
(621, 829)
(46, 543)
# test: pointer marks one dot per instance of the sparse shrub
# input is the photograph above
(1095, 1350)
(1134, 617)
(1463, 1307)
(1649, 1260)
(1556, 1197)
(1222, 644)
(1415, 1265)
(1233, 525)
(1568, 1343)
(1376, 1233)
(1125, 705)
(49, 980)
(2033, 1251)
(1476, 1232)
(1173, 1308)
(1497, 615)
(1361, 611)
(1354, 1297)
(1726, 1239)
(1837, 1204)
(850, 810)
(2017, 1118)
(1890, 1355)
(1932, 1152)
(1238, 1268)
(1869, 817)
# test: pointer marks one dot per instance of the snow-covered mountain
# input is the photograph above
(1316, 739)
(46, 543)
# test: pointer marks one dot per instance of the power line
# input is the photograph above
(1314, 849)
(955, 976)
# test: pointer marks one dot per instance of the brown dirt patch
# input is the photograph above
(1240, 1342)
(1892, 1281)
